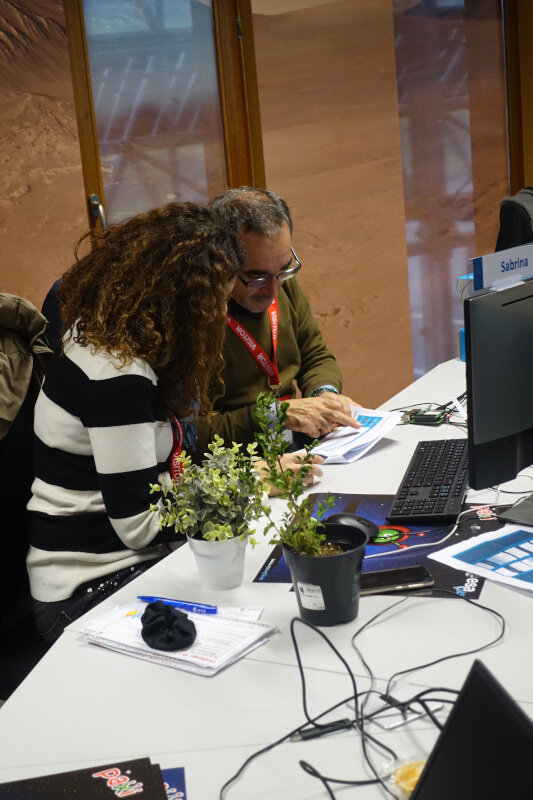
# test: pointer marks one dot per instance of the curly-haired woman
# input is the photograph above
(144, 316)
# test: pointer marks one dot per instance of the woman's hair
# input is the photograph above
(155, 287)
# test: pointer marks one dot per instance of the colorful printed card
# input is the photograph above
(139, 778)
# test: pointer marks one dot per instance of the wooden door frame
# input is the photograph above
(243, 144)
(515, 133)
(83, 101)
(518, 30)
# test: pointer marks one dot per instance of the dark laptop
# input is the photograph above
(485, 748)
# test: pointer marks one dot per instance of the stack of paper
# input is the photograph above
(346, 444)
(220, 639)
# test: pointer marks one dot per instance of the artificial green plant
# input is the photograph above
(217, 499)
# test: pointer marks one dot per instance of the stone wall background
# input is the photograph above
(42, 205)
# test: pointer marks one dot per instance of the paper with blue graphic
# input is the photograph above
(505, 556)
(345, 444)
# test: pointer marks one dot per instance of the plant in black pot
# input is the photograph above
(323, 555)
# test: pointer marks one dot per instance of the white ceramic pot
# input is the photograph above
(220, 564)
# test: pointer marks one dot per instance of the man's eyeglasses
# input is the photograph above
(284, 275)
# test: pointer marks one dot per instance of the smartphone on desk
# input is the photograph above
(396, 580)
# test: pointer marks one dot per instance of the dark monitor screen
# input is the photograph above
(484, 749)
(499, 383)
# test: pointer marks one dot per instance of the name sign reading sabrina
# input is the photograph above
(506, 266)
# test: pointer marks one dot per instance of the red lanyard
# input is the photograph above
(270, 368)
(176, 467)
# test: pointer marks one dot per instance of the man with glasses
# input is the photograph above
(272, 338)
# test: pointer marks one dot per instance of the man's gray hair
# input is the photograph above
(250, 209)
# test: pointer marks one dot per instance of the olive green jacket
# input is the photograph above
(302, 357)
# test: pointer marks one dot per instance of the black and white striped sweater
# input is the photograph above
(101, 439)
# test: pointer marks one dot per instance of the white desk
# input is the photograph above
(83, 705)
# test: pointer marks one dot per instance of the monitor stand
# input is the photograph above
(521, 513)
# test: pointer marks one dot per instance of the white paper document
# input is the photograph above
(505, 556)
(235, 612)
(346, 444)
(220, 640)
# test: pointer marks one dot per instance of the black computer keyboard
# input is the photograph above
(434, 484)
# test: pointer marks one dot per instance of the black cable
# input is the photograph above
(443, 658)
(357, 721)
(294, 620)
(451, 403)
(462, 425)
(432, 405)
(360, 716)
(316, 774)
(310, 720)
(287, 737)
(249, 760)
(377, 616)
(376, 742)
(390, 703)
(412, 406)
(403, 706)
(308, 767)
(456, 655)
(430, 714)
(364, 734)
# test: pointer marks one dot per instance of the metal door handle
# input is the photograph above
(97, 210)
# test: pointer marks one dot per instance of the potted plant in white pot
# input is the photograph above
(214, 504)
(323, 555)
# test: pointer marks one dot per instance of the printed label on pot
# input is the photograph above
(311, 596)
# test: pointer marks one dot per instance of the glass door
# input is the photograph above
(153, 121)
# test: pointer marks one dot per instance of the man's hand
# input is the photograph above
(294, 462)
(317, 416)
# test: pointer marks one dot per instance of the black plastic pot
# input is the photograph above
(327, 587)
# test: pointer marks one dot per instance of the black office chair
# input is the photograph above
(516, 220)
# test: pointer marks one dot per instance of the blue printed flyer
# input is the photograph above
(399, 545)
(505, 556)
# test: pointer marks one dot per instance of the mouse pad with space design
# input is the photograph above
(399, 545)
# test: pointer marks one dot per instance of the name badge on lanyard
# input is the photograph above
(176, 467)
(270, 368)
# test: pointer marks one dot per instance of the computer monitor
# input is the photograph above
(499, 383)
(484, 748)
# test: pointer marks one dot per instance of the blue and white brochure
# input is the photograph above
(505, 556)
